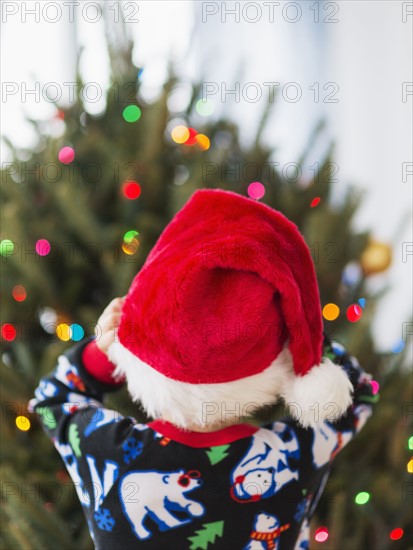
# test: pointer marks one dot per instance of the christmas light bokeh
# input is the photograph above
(66, 155)
(76, 332)
(321, 534)
(42, 247)
(396, 534)
(19, 293)
(8, 332)
(130, 247)
(131, 190)
(6, 247)
(362, 498)
(191, 139)
(132, 113)
(205, 107)
(23, 423)
(203, 142)
(63, 332)
(256, 190)
(331, 312)
(354, 313)
(180, 134)
(130, 235)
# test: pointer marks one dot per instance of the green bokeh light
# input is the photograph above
(6, 247)
(130, 235)
(205, 108)
(362, 498)
(132, 113)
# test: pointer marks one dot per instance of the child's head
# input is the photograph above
(224, 318)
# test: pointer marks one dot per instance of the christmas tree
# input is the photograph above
(81, 211)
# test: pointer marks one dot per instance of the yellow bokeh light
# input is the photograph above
(180, 134)
(23, 423)
(203, 141)
(331, 312)
(131, 247)
(410, 466)
(63, 332)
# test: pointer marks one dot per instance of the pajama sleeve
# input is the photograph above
(320, 443)
(84, 432)
(343, 430)
(311, 451)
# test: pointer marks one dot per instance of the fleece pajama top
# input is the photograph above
(155, 486)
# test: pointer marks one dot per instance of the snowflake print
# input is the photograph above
(131, 449)
(104, 520)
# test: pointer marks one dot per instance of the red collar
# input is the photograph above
(203, 439)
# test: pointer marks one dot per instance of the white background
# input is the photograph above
(366, 53)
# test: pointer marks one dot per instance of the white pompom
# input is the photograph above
(323, 394)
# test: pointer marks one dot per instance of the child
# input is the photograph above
(223, 319)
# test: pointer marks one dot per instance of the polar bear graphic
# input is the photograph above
(156, 495)
(266, 532)
(265, 468)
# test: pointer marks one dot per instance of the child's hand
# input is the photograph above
(107, 324)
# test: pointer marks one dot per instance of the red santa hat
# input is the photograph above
(226, 307)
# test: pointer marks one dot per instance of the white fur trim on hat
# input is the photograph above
(323, 393)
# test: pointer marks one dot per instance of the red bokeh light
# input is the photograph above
(8, 332)
(397, 533)
(192, 135)
(321, 534)
(354, 313)
(19, 293)
(131, 190)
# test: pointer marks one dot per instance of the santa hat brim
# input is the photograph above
(324, 393)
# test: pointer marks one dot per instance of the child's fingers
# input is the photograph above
(108, 322)
(114, 308)
(110, 314)
(115, 304)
